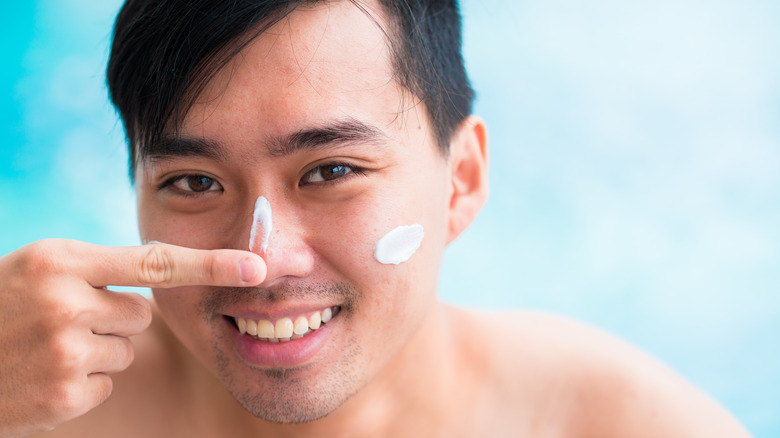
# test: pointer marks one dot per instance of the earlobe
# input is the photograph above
(469, 174)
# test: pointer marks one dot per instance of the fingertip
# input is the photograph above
(251, 269)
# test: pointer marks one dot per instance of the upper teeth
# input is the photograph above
(284, 329)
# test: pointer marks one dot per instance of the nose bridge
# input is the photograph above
(262, 225)
(279, 237)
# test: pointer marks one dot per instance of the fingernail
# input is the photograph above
(247, 269)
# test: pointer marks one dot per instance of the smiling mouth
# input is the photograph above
(285, 329)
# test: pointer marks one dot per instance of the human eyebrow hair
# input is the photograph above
(169, 147)
(336, 134)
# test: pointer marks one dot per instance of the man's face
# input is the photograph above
(273, 122)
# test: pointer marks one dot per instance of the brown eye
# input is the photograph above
(196, 184)
(326, 173)
(332, 172)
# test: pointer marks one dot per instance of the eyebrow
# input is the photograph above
(336, 134)
(171, 147)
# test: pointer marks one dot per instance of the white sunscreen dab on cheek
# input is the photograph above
(399, 245)
(261, 218)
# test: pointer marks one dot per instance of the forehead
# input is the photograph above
(326, 61)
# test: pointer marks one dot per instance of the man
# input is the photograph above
(352, 121)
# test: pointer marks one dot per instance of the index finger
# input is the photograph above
(163, 265)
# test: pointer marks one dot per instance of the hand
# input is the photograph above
(62, 332)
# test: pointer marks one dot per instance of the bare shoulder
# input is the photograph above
(140, 393)
(581, 381)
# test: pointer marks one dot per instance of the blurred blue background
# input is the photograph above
(635, 169)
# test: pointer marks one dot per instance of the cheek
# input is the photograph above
(344, 239)
(345, 243)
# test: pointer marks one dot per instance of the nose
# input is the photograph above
(262, 225)
(279, 237)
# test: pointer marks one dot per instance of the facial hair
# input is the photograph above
(296, 394)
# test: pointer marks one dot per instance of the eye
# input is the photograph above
(194, 184)
(329, 172)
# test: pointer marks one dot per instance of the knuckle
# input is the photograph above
(44, 256)
(212, 267)
(54, 313)
(103, 390)
(66, 401)
(156, 267)
(67, 357)
(125, 354)
(60, 313)
(138, 309)
(73, 397)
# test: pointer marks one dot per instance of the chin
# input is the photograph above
(293, 405)
(292, 395)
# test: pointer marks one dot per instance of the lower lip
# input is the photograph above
(291, 353)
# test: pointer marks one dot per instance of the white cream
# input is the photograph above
(261, 218)
(399, 245)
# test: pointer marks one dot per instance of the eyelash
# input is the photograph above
(169, 184)
(354, 170)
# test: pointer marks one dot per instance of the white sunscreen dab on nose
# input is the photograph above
(261, 218)
(399, 245)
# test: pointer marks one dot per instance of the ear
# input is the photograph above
(469, 174)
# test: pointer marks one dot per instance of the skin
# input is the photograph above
(397, 362)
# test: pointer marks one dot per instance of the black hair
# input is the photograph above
(164, 52)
